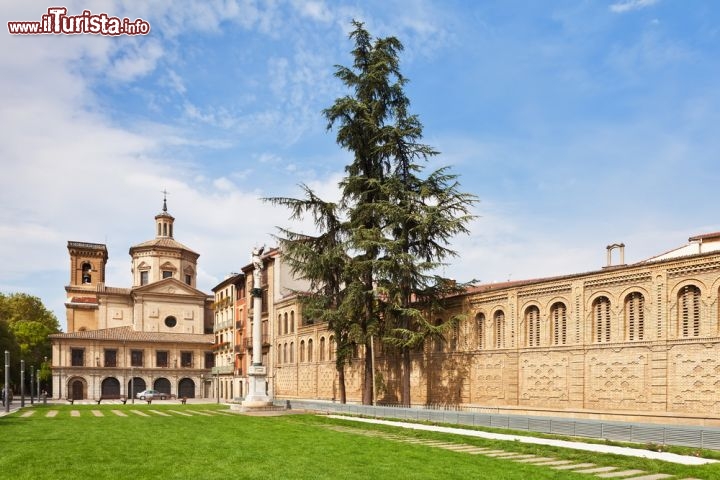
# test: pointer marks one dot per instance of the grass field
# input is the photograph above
(205, 442)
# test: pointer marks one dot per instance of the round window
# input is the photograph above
(170, 321)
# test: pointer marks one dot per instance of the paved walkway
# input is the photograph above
(592, 447)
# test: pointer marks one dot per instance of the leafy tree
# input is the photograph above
(28, 323)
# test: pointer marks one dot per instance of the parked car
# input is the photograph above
(152, 395)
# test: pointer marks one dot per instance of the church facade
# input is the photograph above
(157, 334)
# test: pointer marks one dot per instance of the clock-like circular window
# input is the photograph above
(170, 321)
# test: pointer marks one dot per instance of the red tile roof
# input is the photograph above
(163, 242)
(704, 236)
(130, 335)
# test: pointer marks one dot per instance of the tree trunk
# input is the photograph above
(405, 380)
(368, 385)
(341, 383)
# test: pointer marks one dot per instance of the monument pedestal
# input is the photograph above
(256, 397)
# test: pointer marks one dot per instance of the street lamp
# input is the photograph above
(6, 393)
(22, 383)
(132, 384)
(38, 379)
(32, 382)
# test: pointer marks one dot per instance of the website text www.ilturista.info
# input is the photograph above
(57, 22)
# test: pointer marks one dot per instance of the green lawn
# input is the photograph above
(238, 446)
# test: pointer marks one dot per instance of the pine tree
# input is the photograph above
(396, 224)
(400, 222)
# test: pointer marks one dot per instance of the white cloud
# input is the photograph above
(223, 184)
(314, 10)
(176, 82)
(137, 61)
(628, 5)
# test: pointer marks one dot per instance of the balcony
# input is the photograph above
(239, 349)
(220, 346)
(225, 369)
(222, 325)
(222, 303)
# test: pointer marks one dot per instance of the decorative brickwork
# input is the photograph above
(634, 338)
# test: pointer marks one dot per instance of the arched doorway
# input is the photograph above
(77, 388)
(186, 388)
(110, 388)
(162, 385)
(135, 386)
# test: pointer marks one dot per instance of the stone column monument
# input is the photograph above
(257, 372)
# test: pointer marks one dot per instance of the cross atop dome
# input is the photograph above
(163, 220)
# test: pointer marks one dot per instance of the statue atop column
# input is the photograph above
(257, 389)
(257, 264)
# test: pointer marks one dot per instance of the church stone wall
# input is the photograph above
(659, 355)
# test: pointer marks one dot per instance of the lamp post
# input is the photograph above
(38, 379)
(132, 385)
(22, 383)
(32, 382)
(217, 384)
(7, 381)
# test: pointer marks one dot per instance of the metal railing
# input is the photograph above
(686, 436)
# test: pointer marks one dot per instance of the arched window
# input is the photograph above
(310, 350)
(285, 323)
(279, 327)
(558, 319)
(689, 311)
(292, 321)
(480, 330)
(499, 320)
(285, 353)
(635, 316)
(302, 350)
(601, 319)
(532, 324)
(322, 349)
(292, 352)
(331, 352)
(279, 351)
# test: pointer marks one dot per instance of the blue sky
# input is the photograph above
(577, 124)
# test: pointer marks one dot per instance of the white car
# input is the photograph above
(152, 395)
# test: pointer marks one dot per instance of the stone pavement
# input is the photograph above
(592, 447)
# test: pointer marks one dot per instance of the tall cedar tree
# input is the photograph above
(400, 222)
(396, 225)
(375, 84)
